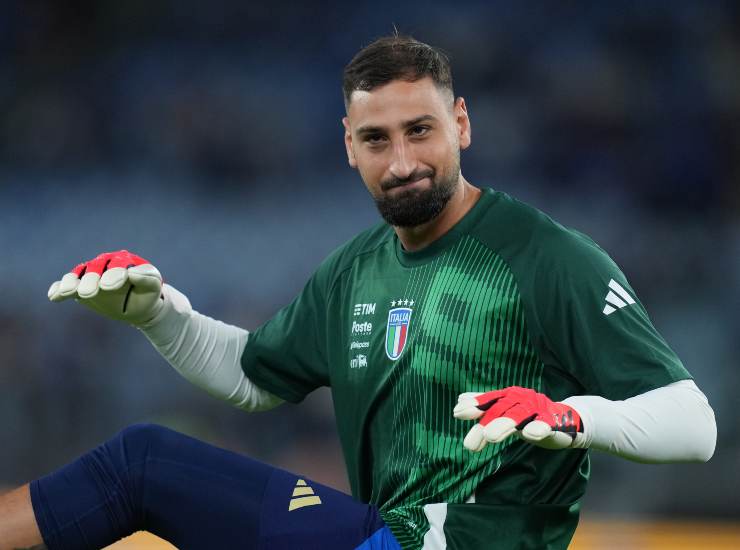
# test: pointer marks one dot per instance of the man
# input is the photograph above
(465, 302)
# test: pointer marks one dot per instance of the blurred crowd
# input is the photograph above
(208, 139)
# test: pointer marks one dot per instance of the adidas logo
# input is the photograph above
(303, 495)
(617, 298)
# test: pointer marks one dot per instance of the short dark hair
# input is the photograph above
(395, 57)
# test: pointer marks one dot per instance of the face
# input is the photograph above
(405, 139)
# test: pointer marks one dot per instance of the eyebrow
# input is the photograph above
(362, 130)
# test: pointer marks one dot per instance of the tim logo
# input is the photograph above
(364, 309)
(396, 332)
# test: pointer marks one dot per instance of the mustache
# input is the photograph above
(394, 182)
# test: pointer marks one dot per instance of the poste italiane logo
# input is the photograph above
(397, 330)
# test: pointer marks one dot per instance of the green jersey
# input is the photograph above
(507, 297)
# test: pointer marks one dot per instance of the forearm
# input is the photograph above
(206, 352)
(670, 424)
(18, 527)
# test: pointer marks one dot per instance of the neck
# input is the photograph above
(420, 236)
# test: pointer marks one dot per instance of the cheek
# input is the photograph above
(440, 153)
(370, 168)
(452, 142)
(370, 175)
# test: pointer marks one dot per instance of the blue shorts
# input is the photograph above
(197, 497)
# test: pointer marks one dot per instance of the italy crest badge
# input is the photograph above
(396, 331)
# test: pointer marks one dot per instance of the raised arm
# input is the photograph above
(207, 352)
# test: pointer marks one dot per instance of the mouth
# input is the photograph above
(411, 185)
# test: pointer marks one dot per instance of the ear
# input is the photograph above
(348, 143)
(462, 120)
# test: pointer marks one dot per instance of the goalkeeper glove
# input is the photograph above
(119, 285)
(529, 414)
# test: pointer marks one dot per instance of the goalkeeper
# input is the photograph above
(464, 302)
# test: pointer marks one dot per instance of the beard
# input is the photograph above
(413, 207)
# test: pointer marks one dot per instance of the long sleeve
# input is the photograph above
(674, 423)
(206, 352)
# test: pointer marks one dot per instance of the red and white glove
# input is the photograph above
(529, 414)
(119, 285)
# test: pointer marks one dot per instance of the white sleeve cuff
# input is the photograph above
(674, 423)
(206, 352)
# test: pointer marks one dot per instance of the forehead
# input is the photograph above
(395, 102)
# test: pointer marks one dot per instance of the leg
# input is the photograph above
(194, 495)
(18, 529)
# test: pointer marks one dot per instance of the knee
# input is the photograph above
(143, 433)
(121, 464)
(139, 442)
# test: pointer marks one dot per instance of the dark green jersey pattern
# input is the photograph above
(507, 297)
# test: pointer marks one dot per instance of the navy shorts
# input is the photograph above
(197, 497)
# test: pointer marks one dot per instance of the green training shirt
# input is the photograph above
(507, 297)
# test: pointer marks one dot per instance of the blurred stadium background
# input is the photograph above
(208, 139)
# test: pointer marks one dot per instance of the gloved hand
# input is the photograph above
(529, 414)
(119, 285)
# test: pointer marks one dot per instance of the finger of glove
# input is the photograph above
(53, 290)
(467, 407)
(490, 398)
(113, 279)
(558, 440)
(499, 429)
(518, 413)
(88, 287)
(54, 294)
(541, 434)
(79, 269)
(67, 286)
(97, 265)
(145, 277)
(500, 408)
(474, 440)
(537, 430)
(468, 395)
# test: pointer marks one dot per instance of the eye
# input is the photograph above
(374, 139)
(419, 131)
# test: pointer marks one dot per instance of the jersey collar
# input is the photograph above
(428, 253)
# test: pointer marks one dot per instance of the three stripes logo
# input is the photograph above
(617, 298)
(303, 496)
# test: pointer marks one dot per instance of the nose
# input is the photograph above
(404, 162)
